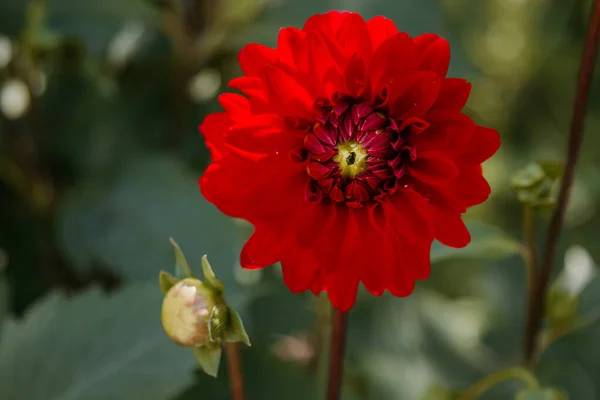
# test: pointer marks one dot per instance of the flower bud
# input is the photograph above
(195, 314)
(187, 311)
(537, 183)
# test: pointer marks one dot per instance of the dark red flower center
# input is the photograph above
(355, 154)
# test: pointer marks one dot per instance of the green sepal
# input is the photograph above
(166, 281)
(217, 323)
(208, 358)
(182, 269)
(210, 278)
(541, 394)
(235, 331)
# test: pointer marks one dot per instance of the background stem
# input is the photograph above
(234, 365)
(586, 72)
(492, 380)
(531, 263)
(336, 355)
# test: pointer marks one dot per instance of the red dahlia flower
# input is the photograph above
(349, 154)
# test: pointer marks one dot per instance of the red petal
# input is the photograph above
(483, 144)
(381, 29)
(353, 36)
(250, 86)
(471, 187)
(373, 259)
(316, 219)
(392, 59)
(410, 216)
(450, 228)
(255, 191)
(293, 49)
(328, 22)
(402, 279)
(235, 105)
(433, 167)
(449, 132)
(286, 94)
(265, 247)
(355, 76)
(416, 258)
(255, 57)
(323, 69)
(342, 281)
(453, 94)
(342, 288)
(432, 54)
(214, 128)
(413, 95)
(299, 270)
(332, 238)
(263, 134)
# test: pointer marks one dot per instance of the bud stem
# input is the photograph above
(336, 355)
(586, 72)
(234, 365)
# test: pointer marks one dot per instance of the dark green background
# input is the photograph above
(101, 170)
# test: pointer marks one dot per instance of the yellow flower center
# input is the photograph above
(352, 158)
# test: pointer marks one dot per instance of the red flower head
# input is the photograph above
(349, 154)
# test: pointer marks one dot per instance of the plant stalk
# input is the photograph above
(336, 355)
(586, 72)
(531, 261)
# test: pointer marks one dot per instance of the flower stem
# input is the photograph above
(336, 355)
(586, 72)
(234, 364)
(517, 373)
(531, 263)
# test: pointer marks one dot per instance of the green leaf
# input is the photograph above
(124, 224)
(208, 358)
(487, 243)
(166, 281)
(236, 332)
(571, 365)
(542, 394)
(93, 346)
(182, 269)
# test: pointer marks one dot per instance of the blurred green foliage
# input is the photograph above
(99, 157)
